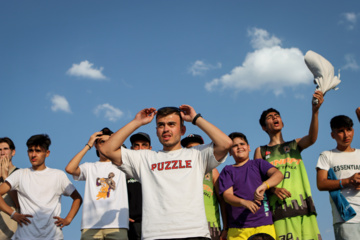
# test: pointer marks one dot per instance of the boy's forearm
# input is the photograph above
(112, 147)
(73, 165)
(222, 142)
(234, 200)
(275, 179)
(4, 207)
(77, 201)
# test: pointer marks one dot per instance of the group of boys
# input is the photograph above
(160, 195)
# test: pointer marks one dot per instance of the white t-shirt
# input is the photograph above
(344, 164)
(39, 194)
(172, 189)
(105, 200)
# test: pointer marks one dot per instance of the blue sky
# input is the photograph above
(70, 68)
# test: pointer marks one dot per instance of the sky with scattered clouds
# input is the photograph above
(70, 68)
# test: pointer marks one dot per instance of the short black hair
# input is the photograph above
(234, 135)
(8, 141)
(41, 140)
(341, 121)
(263, 115)
(165, 111)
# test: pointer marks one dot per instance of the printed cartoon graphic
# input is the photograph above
(106, 185)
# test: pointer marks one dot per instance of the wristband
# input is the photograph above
(195, 118)
(267, 184)
(341, 186)
(12, 215)
(88, 146)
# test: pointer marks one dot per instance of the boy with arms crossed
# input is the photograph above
(243, 186)
(39, 192)
(291, 203)
(344, 160)
(105, 212)
(172, 179)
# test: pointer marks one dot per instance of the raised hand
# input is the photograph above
(4, 162)
(320, 99)
(187, 112)
(145, 116)
(93, 138)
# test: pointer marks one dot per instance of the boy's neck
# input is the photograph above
(275, 139)
(345, 149)
(39, 168)
(104, 160)
(241, 163)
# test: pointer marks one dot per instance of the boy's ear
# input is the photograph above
(47, 153)
(332, 134)
(183, 130)
(263, 128)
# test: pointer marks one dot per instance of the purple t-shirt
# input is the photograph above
(245, 180)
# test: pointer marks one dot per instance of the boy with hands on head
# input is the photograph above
(172, 179)
(105, 213)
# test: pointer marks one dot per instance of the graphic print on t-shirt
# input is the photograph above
(106, 184)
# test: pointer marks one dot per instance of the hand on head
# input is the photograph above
(146, 115)
(187, 112)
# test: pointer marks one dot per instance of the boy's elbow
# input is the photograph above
(68, 170)
(228, 144)
(320, 186)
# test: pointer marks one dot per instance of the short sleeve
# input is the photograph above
(208, 157)
(323, 161)
(225, 180)
(66, 186)
(14, 179)
(264, 167)
(131, 161)
(83, 172)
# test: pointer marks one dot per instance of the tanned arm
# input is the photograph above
(275, 177)
(19, 218)
(77, 201)
(325, 184)
(222, 142)
(112, 147)
(73, 166)
(310, 139)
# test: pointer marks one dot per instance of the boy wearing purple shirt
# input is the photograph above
(243, 187)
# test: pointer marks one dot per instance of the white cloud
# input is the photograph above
(85, 69)
(349, 20)
(260, 38)
(59, 103)
(200, 68)
(350, 62)
(268, 68)
(109, 112)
